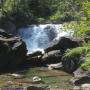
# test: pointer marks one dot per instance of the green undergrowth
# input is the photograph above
(83, 52)
(86, 64)
(77, 51)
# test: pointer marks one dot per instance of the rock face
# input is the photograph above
(12, 50)
(63, 43)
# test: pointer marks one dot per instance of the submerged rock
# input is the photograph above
(38, 87)
(12, 50)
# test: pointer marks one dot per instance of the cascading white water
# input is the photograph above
(37, 37)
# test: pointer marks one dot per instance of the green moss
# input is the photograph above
(86, 64)
(76, 51)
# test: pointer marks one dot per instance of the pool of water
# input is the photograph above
(56, 79)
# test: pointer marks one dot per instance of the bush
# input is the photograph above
(76, 51)
(86, 64)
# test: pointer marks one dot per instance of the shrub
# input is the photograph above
(86, 64)
(76, 51)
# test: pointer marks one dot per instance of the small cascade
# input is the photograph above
(38, 37)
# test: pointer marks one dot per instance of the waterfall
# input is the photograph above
(37, 37)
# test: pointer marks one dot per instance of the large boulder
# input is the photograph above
(63, 44)
(82, 80)
(12, 50)
(52, 57)
(51, 32)
(70, 64)
(35, 58)
(8, 26)
(81, 77)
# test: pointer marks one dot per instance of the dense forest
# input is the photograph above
(42, 10)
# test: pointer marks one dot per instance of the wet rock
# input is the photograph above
(76, 88)
(52, 57)
(12, 50)
(63, 43)
(37, 80)
(51, 32)
(85, 87)
(16, 76)
(82, 80)
(70, 64)
(80, 73)
(55, 66)
(35, 59)
(38, 87)
(81, 77)
(37, 53)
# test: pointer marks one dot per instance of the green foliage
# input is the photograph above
(82, 23)
(56, 16)
(83, 52)
(86, 64)
(64, 10)
(76, 51)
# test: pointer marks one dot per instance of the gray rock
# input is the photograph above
(81, 77)
(51, 32)
(12, 50)
(70, 64)
(55, 66)
(77, 88)
(85, 87)
(63, 43)
(37, 80)
(52, 57)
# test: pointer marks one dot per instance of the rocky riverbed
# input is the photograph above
(55, 79)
